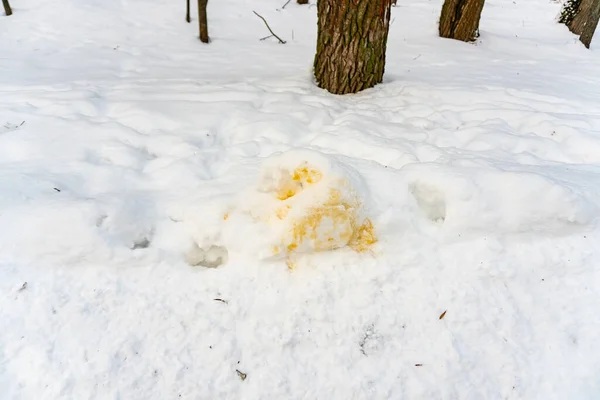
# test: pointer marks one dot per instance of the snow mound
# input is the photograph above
(310, 203)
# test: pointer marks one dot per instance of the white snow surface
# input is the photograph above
(124, 142)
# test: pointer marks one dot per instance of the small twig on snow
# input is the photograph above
(286, 3)
(268, 27)
(266, 37)
(242, 375)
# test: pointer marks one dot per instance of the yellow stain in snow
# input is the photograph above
(328, 226)
(307, 175)
(364, 237)
(283, 211)
(292, 185)
(333, 225)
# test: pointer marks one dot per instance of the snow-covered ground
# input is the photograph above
(124, 141)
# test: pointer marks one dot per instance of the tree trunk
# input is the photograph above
(187, 11)
(7, 8)
(460, 19)
(302, 1)
(203, 20)
(351, 42)
(581, 16)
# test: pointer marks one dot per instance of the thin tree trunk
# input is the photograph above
(581, 16)
(7, 8)
(460, 19)
(351, 43)
(187, 11)
(203, 20)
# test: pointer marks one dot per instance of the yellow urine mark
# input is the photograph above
(310, 227)
(290, 263)
(308, 175)
(294, 183)
(292, 246)
(283, 211)
(364, 237)
(225, 217)
(288, 189)
(286, 193)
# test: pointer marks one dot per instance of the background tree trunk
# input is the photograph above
(460, 19)
(302, 1)
(581, 16)
(7, 8)
(187, 11)
(351, 42)
(203, 20)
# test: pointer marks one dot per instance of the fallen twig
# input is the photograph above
(286, 3)
(241, 374)
(266, 37)
(268, 27)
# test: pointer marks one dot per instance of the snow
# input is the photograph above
(129, 150)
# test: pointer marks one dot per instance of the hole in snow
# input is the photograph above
(212, 257)
(100, 220)
(142, 243)
(430, 201)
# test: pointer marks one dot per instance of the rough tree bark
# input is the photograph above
(203, 21)
(460, 19)
(351, 43)
(7, 8)
(581, 16)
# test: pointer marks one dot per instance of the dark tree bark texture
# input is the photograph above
(187, 11)
(351, 43)
(203, 21)
(302, 1)
(460, 19)
(581, 16)
(7, 8)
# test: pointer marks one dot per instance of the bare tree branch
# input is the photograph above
(268, 27)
